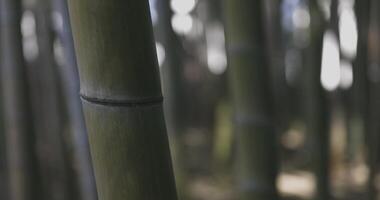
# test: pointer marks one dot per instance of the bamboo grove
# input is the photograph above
(189, 99)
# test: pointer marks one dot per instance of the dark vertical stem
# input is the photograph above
(373, 127)
(316, 114)
(4, 186)
(68, 72)
(122, 100)
(172, 66)
(17, 109)
(359, 92)
(276, 51)
(334, 18)
(47, 110)
(172, 81)
(252, 99)
(360, 70)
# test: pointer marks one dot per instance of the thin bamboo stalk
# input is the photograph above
(276, 50)
(372, 124)
(21, 157)
(47, 110)
(316, 114)
(252, 99)
(358, 99)
(82, 164)
(173, 88)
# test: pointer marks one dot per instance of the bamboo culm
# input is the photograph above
(252, 99)
(47, 111)
(122, 100)
(172, 82)
(372, 125)
(20, 137)
(316, 114)
(82, 164)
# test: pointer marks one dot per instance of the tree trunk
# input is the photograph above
(20, 138)
(122, 99)
(252, 99)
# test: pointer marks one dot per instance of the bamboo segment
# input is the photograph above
(130, 163)
(122, 100)
(249, 81)
(114, 46)
(21, 158)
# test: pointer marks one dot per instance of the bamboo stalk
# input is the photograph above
(172, 82)
(21, 157)
(358, 99)
(360, 85)
(316, 113)
(82, 164)
(48, 111)
(252, 99)
(171, 68)
(4, 186)
(276, 50)
(121, 96)
(372, 124)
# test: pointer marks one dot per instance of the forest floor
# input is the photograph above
(348, 175)
(291, 187)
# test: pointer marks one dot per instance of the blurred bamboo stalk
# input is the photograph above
(4, 186)
(20, 137)
(360, 70)
(122, 100)
(275, 47)
(82, 164)
(316, 111)
(252, 99)
(172, 81)
(373, 126)
(48, 112)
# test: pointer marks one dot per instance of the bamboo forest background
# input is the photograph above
(262, 100)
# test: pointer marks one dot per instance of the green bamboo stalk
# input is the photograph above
(21, 158)
(4, 186)
(48, 111)
(360, 85)
(122, 100)
(316, 114)
(276, 50)
(172, 82)
(358, 98)
(372, 124)
(171, 68)
(252, 99)
(81, 160)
